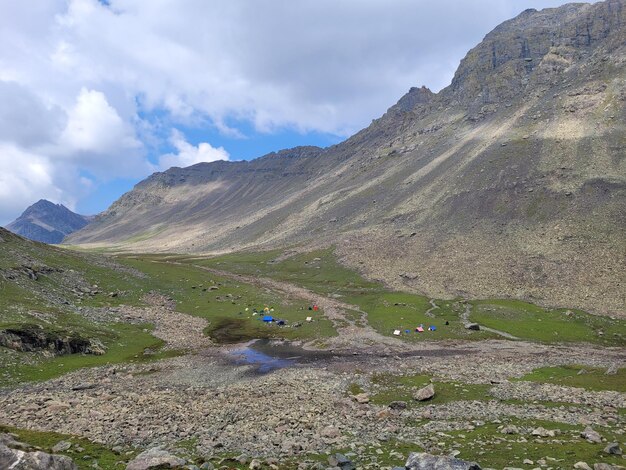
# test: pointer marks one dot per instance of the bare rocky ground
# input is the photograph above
(203, 398)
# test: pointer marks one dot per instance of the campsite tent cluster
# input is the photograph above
(419, 329)
(266, 315)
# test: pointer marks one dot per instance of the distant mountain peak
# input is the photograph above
(47, 222)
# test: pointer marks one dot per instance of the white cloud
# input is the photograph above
(188, 154)
(26, 177)
(94, 126)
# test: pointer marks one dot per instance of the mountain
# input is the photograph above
(47, 222)
(509, 182)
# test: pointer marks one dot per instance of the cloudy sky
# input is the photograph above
(97, 95)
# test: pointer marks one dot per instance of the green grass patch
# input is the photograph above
(579, 376)
(83, 451)
(490, 448)
(229, 305)
(530, 322)
(320, 272)
(387, 388)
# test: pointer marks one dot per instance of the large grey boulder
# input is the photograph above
(425, 393)
(16, 459)
(590, 435)
(613, 449)
(155, 458)
(424, 461)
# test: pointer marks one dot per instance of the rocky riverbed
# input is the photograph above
(206, 403)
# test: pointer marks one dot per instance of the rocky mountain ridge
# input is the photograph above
(47, 222)
(509, 182)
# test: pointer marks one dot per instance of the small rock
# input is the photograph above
(542, 432)
(511, 429)
(603, 466)
(341, 461)
(528, 462)
(85, 386)
(591, 435)
(362, 398)
(398, 405)
(61, 446)
(472, 326)
(255, 465)
(155, 458)
(424, 461)
(613, 449)
(582, 466)
(425, 393)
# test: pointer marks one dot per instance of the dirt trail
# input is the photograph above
(433, 306)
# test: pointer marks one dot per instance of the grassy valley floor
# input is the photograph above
(170, 324)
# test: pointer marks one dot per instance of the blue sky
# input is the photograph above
(97, 95)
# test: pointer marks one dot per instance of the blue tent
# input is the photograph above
(268, 318)
(432, 328)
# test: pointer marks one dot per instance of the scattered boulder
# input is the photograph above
(424, 461)
(472, 326)
(61, 446)
(341, 461)
(591, 435)
(510, 429)
(255, 465)
(84, 386)
(582, 466)
(542, 432)
(425, 393)
(612, 369)
(362, 398)
(398, 405)
(155, 458)
(613, 449)
(16, 459)
(603, 466)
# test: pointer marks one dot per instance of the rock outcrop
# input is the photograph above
(33, 338)
(424, 461)
(17, 459)
(155, 458)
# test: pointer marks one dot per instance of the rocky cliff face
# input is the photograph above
(509, 182)
(47, 222)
